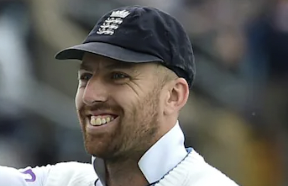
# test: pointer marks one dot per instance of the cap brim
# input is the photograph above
(107, 50)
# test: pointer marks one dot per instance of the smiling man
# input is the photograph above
(136, 72)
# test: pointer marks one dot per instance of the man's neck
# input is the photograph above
(123, 173)
(143, 166)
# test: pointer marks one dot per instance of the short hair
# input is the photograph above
(164, 74)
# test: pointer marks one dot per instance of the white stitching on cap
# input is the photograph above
(113, 22)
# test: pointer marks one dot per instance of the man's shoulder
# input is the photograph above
(201, 173)
(74, 165)
(208, 175)
(194, 171)
(71, 174)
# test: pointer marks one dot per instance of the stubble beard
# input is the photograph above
(142, 130)
(135, 134)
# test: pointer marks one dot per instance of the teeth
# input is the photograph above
(103, 121)
(100, 120)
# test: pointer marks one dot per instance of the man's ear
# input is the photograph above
(177, 96)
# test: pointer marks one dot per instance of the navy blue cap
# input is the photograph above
(139, 34)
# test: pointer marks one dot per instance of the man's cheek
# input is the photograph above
(79, 98)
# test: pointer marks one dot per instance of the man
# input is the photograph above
(136, 71)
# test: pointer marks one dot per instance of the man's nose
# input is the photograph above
(95, 92)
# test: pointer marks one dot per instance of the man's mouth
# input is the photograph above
(101, 119)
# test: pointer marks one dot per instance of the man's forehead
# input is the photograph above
(92, 61)
(96, 62)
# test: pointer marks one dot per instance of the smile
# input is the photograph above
(101, 119)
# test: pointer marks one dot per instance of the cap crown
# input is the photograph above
(151, 31)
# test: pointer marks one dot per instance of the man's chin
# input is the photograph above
(97, 150)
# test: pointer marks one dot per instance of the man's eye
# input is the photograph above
(117, 75)
(85, 77)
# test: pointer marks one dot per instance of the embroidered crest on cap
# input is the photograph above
(113, 22)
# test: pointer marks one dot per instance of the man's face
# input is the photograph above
(123, 96)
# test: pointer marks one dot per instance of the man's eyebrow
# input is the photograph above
(119, 65)
(84, 66)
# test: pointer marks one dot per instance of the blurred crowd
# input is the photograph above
(237, 115)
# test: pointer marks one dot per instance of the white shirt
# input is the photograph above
(188, 168)
(163, 156)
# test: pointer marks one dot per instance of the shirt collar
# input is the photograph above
(162, 157)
